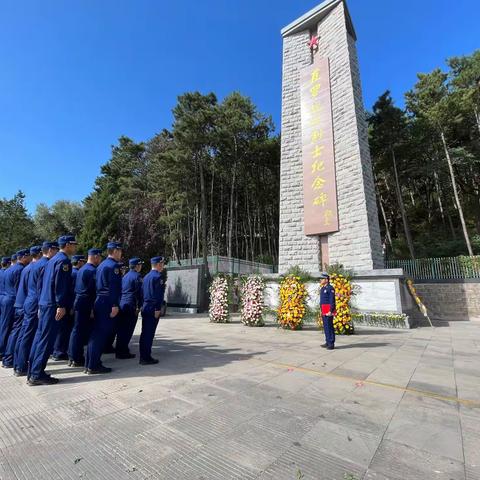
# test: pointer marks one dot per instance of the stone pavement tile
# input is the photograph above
(204, 464)
(395, 461)
(351, 444)
(329, 389)
(203, 394)
(429, 425)
(311, 464)
(207, 423)
(60, 461)
(291, 381)
(167, 409)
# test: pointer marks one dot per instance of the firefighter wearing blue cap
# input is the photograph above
(327, 305)
(130, 304)
(60, 347)
(5, 264)
(55, 299)
(12, 282)
(8, 358)
(30, 308)
(153, 295)
(106, 308)
(85, 293)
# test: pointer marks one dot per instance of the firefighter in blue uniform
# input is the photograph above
(12, 282)
(13, 259)
(55, 299)
(8, 358)
(60, 348)
(327, 305)
(153, 295)
(30, 307)
(130, 304)
(85, 293)
(5, 264)
(106, 308)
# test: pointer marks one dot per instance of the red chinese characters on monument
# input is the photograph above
(319, 182)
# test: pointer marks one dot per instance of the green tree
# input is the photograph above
(62, 217)
(431, 101)
(388, 132)
(16, 226)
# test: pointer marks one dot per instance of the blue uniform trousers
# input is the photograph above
(25, 339)
(328, 329)
(60, 346)
(13, 337)
(6, 320)
(125, 328)
(149, 325)
(82, 328)
(43, 342)
(103, 326)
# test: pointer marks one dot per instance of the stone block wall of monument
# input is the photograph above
(357, 245)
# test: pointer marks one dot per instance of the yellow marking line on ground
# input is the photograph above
(423, 393)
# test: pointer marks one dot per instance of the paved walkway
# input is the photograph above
(231, 402)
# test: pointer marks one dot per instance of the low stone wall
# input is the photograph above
(451, 301)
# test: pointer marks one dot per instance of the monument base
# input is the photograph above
(378, 294)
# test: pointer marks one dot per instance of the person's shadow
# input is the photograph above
(176, 357)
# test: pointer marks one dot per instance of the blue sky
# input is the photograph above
(77, 74)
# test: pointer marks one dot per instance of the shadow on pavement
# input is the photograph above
(175, 357)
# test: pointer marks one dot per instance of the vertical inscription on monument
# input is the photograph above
(318, 155)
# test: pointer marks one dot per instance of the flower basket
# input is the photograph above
(293, 303)
(218, 310)
(252, 301)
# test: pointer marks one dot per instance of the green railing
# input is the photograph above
(446, 268)
(219, 264)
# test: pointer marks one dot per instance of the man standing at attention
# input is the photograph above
(130, 303)
(12, 282)
(55, 299)
(327, 305)
(22, 292)
(66, 323)
(30, 307)
(85, 294)
(106, 308)
(5, 264)
(153, 294)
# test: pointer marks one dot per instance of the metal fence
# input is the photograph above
(219, 264)
(447, 268)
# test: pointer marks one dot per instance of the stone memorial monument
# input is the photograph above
(328, 210)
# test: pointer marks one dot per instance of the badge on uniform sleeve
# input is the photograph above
(116, 271)
(66, 267)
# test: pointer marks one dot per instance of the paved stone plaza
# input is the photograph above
(227, 401)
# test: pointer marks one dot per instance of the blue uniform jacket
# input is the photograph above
(327, 297)
(153, 290)
(34, 286)
(132, 291)
(85, 287)
(23, 286)
(12, 279)
(109, 281)
(75, 271)
(2, 281)
(57, 282)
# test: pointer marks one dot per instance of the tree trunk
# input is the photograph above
(231, 206)
(211, 214)
(455, 194)
(385, 221)
(203, 207)
(477, 117)
(401, 205)
(439, 196)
